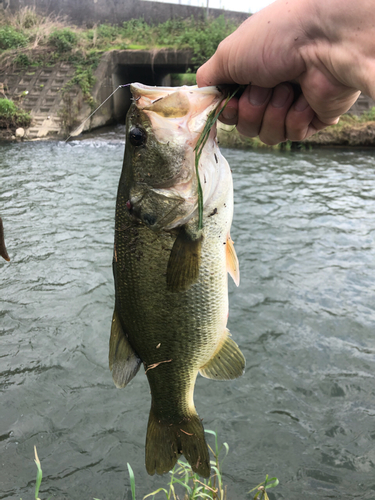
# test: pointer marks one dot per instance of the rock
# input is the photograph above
(20, 132)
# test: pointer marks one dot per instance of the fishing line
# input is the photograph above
(79, 126)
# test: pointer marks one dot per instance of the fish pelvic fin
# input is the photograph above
(227, 363)
(166, 441)
(123, 361)
(184, 261)
(233, 267)
(3, 250)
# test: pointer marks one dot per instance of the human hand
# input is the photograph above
(313, 43)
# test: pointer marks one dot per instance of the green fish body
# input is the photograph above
(170, 277)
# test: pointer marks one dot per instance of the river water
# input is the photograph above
(304, 231)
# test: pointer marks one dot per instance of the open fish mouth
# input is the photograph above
(185, 108)
(152, 94)
(161, 120)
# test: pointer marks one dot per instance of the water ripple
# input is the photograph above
(303, 316)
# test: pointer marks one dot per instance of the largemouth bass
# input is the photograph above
(3, 250)
(171, 278)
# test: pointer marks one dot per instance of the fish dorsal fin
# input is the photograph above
(227, 363)
(184, 262)
(233, 267)
(175, 105)
(123, 361)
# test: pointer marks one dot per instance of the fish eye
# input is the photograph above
(137, 136)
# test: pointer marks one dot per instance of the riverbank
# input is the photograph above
(351, 131)
(60, 73)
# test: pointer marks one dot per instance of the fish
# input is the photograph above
(3, 250)
(170, 274)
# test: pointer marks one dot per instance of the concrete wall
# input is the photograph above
(363, 104)
(40, 90)
(89, 12)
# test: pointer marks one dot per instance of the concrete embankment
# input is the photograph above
(56, 109)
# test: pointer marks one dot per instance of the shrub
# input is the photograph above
(12, 116)
(10, 38)
(22, 60)
(108, 32)
(64, 39)
(368, 115)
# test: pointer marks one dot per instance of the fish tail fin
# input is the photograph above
(165, 442)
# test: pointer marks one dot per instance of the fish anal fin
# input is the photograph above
(233, 267)
(166, 441)
(184, 262)
(227, 363)
(123, 361)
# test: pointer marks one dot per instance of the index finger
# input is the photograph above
(213, 71)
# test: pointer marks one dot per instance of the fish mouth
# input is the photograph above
(152, 93)
(175, 118)
(177, 114)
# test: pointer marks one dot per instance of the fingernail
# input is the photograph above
(229, 113)
(258, 95)
(301, 104)
(280, 96)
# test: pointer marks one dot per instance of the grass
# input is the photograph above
(211, 120)
(28, 39)
(182, 478)
(27, 31)
(11, 116)
(340, 134)
(25, 28)
(179, 79)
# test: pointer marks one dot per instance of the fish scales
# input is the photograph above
(176, 327)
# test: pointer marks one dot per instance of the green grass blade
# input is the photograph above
(271, 483)
(211, 120)
(156, 492)
(217, 451)
(218, 475)
(132, 480)
(39, 474)
(185, 485)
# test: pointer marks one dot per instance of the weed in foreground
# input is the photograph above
(183, 478)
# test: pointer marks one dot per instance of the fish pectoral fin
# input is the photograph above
(184, 262)
(227, 363)
(123, 361)
(233, 267)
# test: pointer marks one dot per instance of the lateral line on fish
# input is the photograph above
(210, 122)
(88, 118)
(151, 367)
